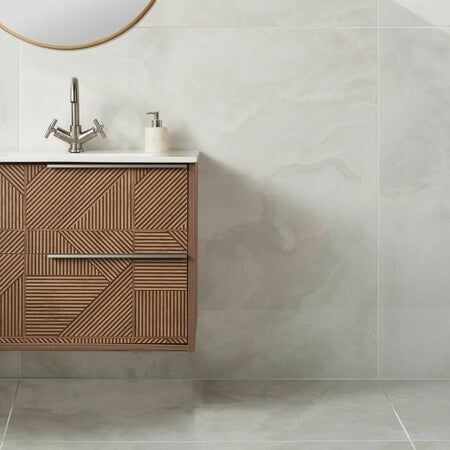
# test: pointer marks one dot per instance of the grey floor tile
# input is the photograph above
(361, 445)
(63, 410)
(7, 391)
(432, 445)
(424, 408)
(9, 365)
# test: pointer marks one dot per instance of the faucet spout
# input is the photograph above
(74, 91)
(75, 137)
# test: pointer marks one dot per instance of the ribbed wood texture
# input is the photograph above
(11, 295)
(160, 275)
(12, 241)
(12, 197)
(94, 303)
(161, 313)
(161, 199)
(173, 241)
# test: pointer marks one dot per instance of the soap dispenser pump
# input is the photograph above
(156, 135)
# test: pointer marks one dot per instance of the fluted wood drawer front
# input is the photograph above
(12, 271)
(161, 300)
(106, 210)
(85, 301)
(98, 199)
(12, 198)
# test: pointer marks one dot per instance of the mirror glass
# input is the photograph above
(70, 24)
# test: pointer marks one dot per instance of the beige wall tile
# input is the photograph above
(234, 13)
(415, 206)
(414, 13)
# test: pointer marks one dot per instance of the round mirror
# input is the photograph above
(68, 25)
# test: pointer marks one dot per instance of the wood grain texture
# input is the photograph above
(161, 313)
(12, 241)
(61, 198)
(193, 254)
(171, 241)
(11, 309)
(160, 275)
(161, 199)
(12, 197)
(95, 304)
(11, 295)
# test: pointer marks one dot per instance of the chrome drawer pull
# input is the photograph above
(117, 166)
(125, 256)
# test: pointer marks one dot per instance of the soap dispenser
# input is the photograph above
(156, 136)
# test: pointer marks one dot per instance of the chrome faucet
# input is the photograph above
(75, 137)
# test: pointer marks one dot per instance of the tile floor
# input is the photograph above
(223, 415)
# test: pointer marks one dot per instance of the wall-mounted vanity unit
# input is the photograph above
(98, 251)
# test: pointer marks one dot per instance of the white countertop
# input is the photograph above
(100, 156)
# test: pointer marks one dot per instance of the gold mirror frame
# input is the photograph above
(89, 44)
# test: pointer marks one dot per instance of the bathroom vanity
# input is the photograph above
(98, 251)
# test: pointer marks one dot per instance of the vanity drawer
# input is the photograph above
(107, 198)
(107, 210)
(81, 301)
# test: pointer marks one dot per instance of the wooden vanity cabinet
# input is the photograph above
(98, 256)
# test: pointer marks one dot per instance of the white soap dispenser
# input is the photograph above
(156, 136)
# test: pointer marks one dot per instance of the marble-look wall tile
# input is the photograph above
(414, 13)
(9, 91)
(234, 13)
(287, 122)
(415, 205)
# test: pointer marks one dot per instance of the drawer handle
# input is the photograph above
(117, 166)
(124, 256)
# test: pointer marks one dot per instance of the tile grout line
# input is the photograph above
(378, 13)
(259, 380)
(397, 415)
(379, 314)
(18, 93)
(310, 27)
(311, 441)
(8, 420)
(19, 144)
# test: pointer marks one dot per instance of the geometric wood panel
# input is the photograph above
(69, 198)
(161, 313)
(172, 241)
(11, 294)
(80, 241)
(110, 314)
(161, 199)
(53, 303)
(11, 308)
(68, 299)
(12, 190)
(160, 275)
(95, 303)
(12, 241)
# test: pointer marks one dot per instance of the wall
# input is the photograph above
(324, 206)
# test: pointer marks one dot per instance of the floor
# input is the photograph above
(223, 415)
